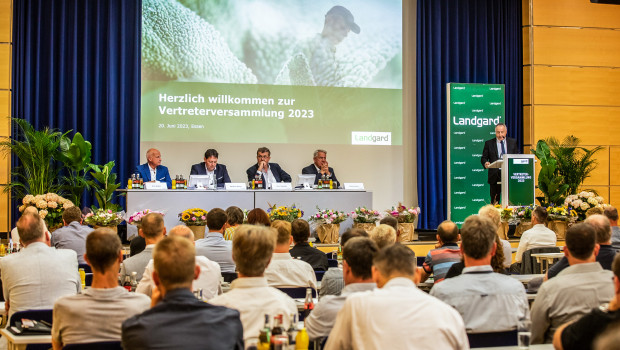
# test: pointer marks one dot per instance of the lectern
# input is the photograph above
(518, 179)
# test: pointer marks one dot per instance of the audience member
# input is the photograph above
(15, 233)
(136, 245)
(214, 246)
(487, 301)
(581, 334)
(606, 252)
(612, 214)
(357, 255)
(300, 230)
(153, 230)
(447, 252)
(208, 280)
(576, 290)
(391, 221)
(258, 216)
(397, 314)
(73, 234)
(177, 320)
(78, 318)
(332, 282)
(235, 218)
(37, 275)
(383, 235)
(492, 213)
(537, 237)
(283, 270)
(250, 294)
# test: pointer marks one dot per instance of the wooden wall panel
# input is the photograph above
(5, 20)
(5, 104)
(592, 125)
(4, 209)
(576, 47)
(526, 45)
(578, 13)
(527, 87)
(614, 196)
(528, 125)
(614, 166)
(525, 12)
(602, 191)
(600, 175)
(576, 86)
(5, 66)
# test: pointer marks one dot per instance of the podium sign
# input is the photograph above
(473, 111)
(518, 179)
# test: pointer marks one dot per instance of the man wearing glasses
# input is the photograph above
(269, 172)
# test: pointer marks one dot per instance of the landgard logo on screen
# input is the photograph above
(371, 138)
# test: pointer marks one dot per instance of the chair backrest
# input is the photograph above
(492, 339)
(420, 260)
(297, 292)
(332, 255)
(529, 265)
(104, 345)
(332, 262)
(229, 276)
(319, 275)
(37, 315)
(88, 279)
(86, 268)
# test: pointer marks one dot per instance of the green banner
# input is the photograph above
(191, 112)
(473, 111)
(521, 181)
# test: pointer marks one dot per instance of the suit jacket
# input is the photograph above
(161, 174)
(221, 174)
(278, 173)
(311, 169)
(489, 154)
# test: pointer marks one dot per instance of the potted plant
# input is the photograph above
(136, 218)
(584, 201)
(196, 220)
(559, 218)
(524, 215)
(550, 181)
(50, 207)
(284, 213)
(104, 218)
(406, 217)
(364, 218)
(104, 185)
(328, 224)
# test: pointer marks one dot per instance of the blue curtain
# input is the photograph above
(76, 66)
(461, 41)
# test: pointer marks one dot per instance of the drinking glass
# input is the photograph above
(524, 334)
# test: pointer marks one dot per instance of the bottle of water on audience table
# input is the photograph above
(292, 332)
(134, 281)
(308, 303)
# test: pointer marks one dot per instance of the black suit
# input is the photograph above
(311, 169)
(279, 174)
(220, 172)
(490, 154)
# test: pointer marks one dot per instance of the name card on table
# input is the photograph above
(353, 185)
(155, 186)
(235, 186)
(282, 186)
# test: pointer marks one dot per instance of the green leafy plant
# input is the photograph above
(37, 151)
(75, 155)
(550, 181)
(574, 163)
(104, 185)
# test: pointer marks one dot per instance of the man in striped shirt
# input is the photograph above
(447, 252)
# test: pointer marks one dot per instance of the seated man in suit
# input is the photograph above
(152, 170)
(217, 172)
(270, 172)
(320, 167)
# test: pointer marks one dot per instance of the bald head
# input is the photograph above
(30, 227)
(602, 228)
(448, 232)
(182, 231)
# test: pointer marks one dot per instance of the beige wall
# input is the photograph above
(6, 13)
(571, 81)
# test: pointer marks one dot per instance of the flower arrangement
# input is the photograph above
(136, 217)
(361, 215)
(583, 201)
(404, 214)
(524, 213)
(561, 213)
(194, 217)
(50, 207)
(328, 216)
(284, 213)
(102, 217)
(506, 214)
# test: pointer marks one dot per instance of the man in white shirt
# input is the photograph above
(78, 318)
(284, 271)
(153, 230)
(397, 315)
(576, 290)
(538, 236)
(250, 294)
(487, 301)
(38, 275)
(357, 256)
(208, 280)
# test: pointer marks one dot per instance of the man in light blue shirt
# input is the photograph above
(214, 246)
(357, 255)
(487, 301)
(73, 234)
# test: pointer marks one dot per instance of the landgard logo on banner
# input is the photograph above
(473, 111)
